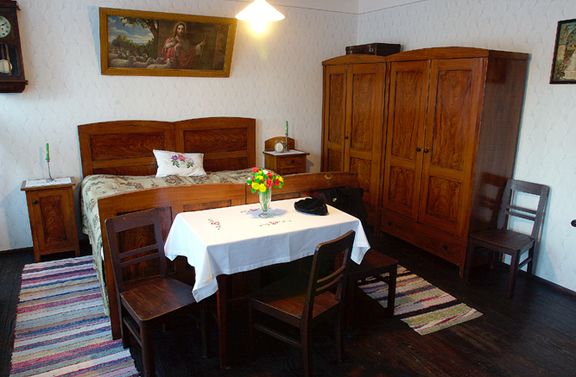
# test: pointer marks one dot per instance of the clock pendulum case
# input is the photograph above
(11, 65)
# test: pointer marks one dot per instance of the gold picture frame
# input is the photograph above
(141, 43)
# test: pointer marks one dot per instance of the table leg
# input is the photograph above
(222, 297)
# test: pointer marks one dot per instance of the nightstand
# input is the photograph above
(290, 162)
(52, 215)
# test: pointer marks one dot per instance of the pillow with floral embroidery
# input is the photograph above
(176, 163)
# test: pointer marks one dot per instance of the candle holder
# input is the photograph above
(49, 173)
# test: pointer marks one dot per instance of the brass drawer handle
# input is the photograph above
(35, 202)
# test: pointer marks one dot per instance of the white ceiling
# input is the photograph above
(345, 6)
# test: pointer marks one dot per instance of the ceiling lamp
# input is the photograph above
(259, 13)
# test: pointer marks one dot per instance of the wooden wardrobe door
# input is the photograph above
(451, 126)
(406, 110)
(364, 135)
(335, 85)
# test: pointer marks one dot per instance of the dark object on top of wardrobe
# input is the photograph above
(381, 49)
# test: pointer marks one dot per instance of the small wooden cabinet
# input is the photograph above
(52, 217)
(289, 162)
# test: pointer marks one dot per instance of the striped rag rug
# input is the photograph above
(424, 307)
(61, 327)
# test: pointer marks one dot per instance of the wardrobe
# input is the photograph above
(353, 118)
(448, 137)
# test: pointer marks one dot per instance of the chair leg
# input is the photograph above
(251, 332)
(338, 333)
(203, 331)
(469, 258)
(392, 290)
(306, 351)
(530, 264)
(513, 274)
(147, 352)
(349, 315)
(125, 333)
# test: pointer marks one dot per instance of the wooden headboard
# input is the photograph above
(125, 147)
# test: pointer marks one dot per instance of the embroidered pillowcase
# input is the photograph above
(176, 163)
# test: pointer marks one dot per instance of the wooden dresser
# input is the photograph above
(447, 141)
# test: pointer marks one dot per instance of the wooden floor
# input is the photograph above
(534, 334)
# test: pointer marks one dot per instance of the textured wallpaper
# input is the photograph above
(546, 151)
(274, 78)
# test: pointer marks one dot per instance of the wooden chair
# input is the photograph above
(146, 299)
(374, 264)
(305, 301)
(502, 240)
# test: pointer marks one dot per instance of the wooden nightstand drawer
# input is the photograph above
(291, 162)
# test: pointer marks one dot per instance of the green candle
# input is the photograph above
(286, 129)
(47, 152)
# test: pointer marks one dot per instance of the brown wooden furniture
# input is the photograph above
(52, 218)
(125, 147)
(375, 264)
(305, 300)
(270, 144)
(291, 162)
(353, 124)
(503, 240)
(171, 201)
(452, 127)
(12, 78)
(146, 300)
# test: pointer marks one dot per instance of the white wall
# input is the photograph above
(275, 78)
(546, 151)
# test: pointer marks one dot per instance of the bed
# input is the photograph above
(118, 167)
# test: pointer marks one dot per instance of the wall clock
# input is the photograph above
(11, 65)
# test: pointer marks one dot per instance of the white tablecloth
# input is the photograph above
(235, 239)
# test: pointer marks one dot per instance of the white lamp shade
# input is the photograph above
(260, 11)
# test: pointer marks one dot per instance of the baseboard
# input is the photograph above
(554, 286)
(14, 251)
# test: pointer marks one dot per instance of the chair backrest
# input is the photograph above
(327, 254)
(152, 252)
(509, 208)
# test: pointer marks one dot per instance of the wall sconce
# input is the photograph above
(259, 13)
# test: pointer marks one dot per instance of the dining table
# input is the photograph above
(224, 241)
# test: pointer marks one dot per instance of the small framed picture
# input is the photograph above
(564, 62)
(139, 43)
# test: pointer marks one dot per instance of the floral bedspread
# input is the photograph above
(95, 187)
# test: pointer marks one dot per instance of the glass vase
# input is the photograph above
(265, 198)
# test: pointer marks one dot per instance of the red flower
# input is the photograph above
(255, 170)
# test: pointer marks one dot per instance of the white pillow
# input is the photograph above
(176, 163)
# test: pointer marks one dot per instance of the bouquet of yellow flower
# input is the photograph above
(263, 180)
